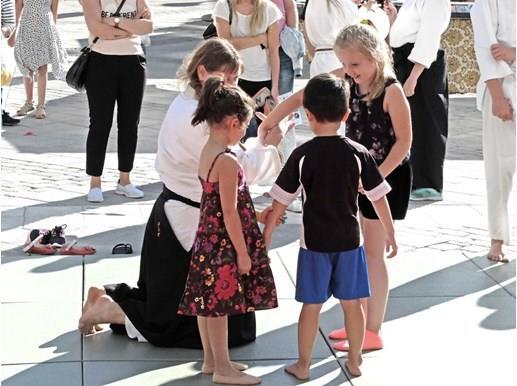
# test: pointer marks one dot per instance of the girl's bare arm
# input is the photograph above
(397, 106)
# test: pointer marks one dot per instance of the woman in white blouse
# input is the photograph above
(323, 21)
(255, 33)
(421, 66)
(493, 22)
(149, 311)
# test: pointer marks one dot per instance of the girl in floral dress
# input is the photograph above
(229, 270)
(37, 43)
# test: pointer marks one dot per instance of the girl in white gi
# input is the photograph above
(493, 22)
(323, 21)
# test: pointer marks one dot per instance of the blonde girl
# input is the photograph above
(380, 121)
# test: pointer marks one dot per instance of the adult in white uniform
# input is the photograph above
(493, 22)
(324, 19)
(149, 311)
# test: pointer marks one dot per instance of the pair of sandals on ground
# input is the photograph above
(52, 241)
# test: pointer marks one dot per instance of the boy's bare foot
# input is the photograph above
(94, 294)
(235, 377)
(353, 369)
(297, 371)
(209, 368)
(495, 252)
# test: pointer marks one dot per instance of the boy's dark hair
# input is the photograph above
(326, 97)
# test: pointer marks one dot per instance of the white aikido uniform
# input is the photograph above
(493, 22)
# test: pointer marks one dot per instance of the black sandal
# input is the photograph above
(122, 249)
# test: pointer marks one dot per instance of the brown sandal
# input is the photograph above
(40, 112)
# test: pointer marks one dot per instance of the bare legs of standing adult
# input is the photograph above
(28, 82)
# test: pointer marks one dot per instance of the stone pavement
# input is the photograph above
(451, 313)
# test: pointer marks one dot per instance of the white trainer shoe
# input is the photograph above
(95, 195)
(129, 190)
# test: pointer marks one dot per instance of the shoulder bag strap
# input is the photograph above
(230, 8)
(115, 14)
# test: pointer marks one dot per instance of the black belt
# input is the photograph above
(323, 49)
(170, 195)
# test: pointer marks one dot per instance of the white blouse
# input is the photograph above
(323, 24)
(177, 162)
(493, 21)
(421, 22)
(257, 66)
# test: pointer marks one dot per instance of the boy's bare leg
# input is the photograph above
(307, 329)
(224, 372)
(355, 326)
(208, 357)
(100, 309)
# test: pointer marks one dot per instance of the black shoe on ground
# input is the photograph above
(7, 120)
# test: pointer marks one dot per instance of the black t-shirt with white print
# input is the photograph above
(328, 170)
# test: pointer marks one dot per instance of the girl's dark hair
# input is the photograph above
(217, 101)
(216, 55)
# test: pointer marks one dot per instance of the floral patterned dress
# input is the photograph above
(214, 286)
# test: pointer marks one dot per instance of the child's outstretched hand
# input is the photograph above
(391, 246)
(244, 264)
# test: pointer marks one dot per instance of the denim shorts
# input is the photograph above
(322, 274)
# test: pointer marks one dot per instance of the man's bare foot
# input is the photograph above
(103, 310)
(235, 377)
(352, 368)
(94, 293)
(209, 368)
(298, 371)
(495, 252)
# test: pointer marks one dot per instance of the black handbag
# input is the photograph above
(211, 31)
(76, 74)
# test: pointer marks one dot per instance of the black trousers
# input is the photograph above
(429, 117)
(113, 79)
(251, 88)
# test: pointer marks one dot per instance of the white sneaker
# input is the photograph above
(95, 195)
(129, 190)
(295, 206)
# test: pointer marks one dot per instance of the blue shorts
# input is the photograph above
(322, 274)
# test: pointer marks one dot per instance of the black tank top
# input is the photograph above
(369, 124)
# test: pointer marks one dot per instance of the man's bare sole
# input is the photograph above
(354, 371)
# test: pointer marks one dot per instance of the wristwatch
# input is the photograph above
(116, 20)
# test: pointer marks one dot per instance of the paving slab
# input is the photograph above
(171, 373)
(42, 374)
(276, 339)
(37, 278)
(40, 332)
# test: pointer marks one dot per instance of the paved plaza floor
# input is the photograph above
(451, 312)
